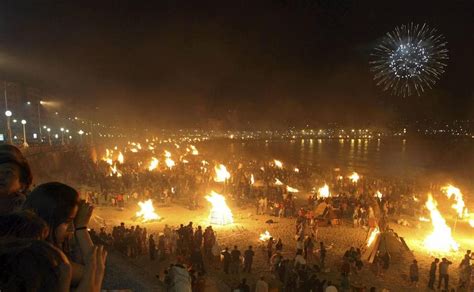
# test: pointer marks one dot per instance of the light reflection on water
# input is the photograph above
(392, 157)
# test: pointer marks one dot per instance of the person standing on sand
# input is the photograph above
(152, 248)
(443, 273)
(414, 274)
(226, 260)
(432, 279)
(248, 259)
(322, 254)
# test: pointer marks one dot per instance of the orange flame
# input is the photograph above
(441, 239)
(221, 173)
(220, 213)
(147, 211)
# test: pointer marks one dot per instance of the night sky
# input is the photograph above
(231, 64)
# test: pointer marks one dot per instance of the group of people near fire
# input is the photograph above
(47, 241)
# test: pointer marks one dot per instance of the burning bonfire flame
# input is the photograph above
(221, 173)
(441, 239)
(459, 206)
(220, 212)
(194, 151)
(147, 211)
(278, 163)
(120, 158)
(169, 162)
(354, 177)
(372, 236)
(291, 190)
(323, 192)
(379, 195)
(265, 236)
(471, 222)
(153, 164)
(108, 157)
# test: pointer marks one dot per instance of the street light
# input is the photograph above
(49, 136)
(9, 128)
(81, 132)
(39, 120)
(25, 144)
(62, 136)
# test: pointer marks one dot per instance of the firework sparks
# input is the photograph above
(409, 59)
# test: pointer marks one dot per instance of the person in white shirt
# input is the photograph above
(330, 288)
(261, 285)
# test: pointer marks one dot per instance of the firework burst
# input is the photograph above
(409, 59)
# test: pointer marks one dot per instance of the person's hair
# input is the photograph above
(11, 154)
(53, 202)
(28, 265)
(22, 224)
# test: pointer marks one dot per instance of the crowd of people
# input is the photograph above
(45, 243)
(47, 229)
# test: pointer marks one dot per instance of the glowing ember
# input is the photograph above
(424, 219)
(415, 199)
(252, 179)
(147, 211)
(372, 236)
(379, 195)
(265, 236)
(460, 207)
(169, 162)
(134, 150)
(297, 169)
(340, 177)
(441, 239)
(278, 163)
(220, 213)
(167, 154)
(221, 173)
(354, 177)
(323, 192)
(291, 190)
(278, 182)
(120, 158)
(153, 164)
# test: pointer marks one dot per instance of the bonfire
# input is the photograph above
(265, 236)
(220, 213)
(441, 239)
(147, 212)
(221, 173)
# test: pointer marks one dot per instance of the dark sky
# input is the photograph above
(231, 63)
